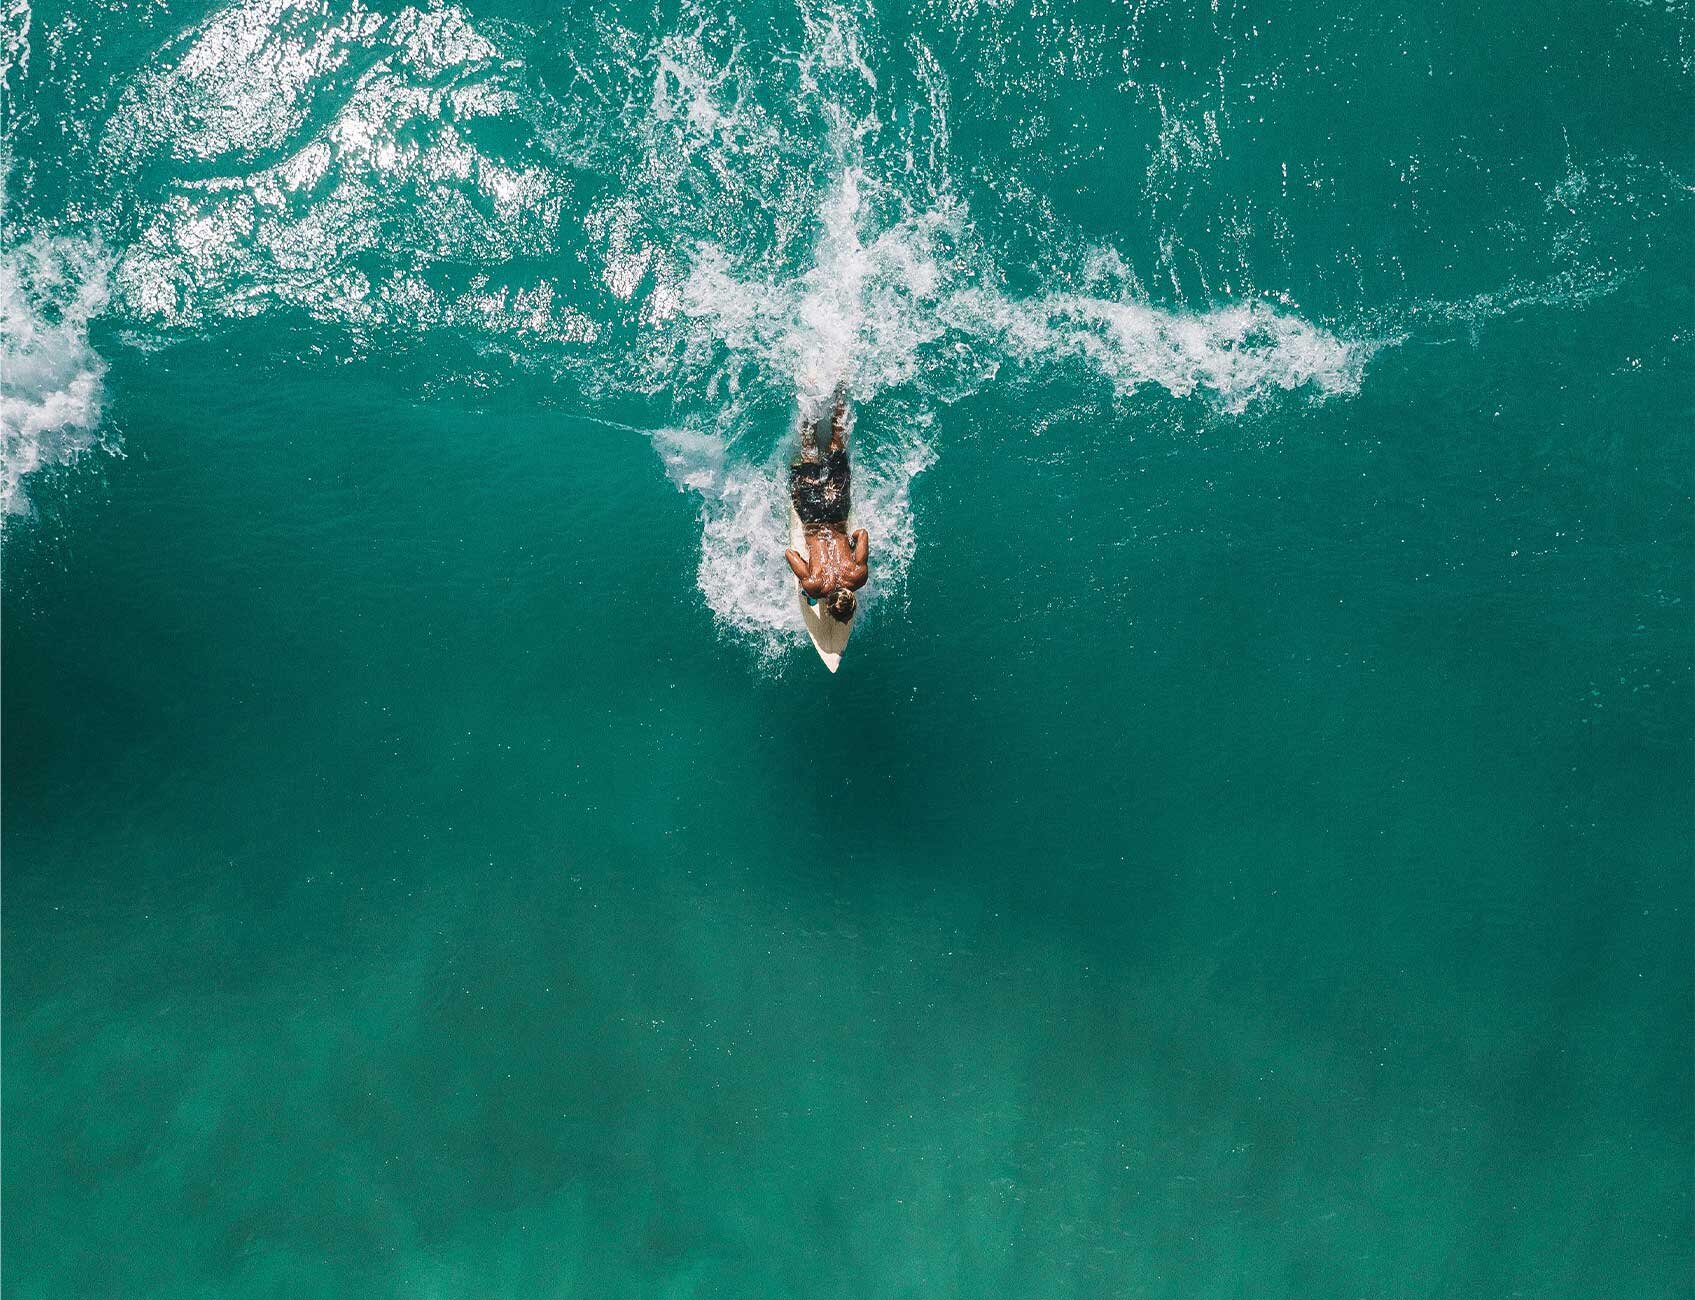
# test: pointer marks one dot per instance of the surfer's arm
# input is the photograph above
(803, 571)
(861, 546)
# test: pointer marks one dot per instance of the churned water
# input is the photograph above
(1246, 851)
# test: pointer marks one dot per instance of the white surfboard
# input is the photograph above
(829, 637)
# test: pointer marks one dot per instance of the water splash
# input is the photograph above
(784, 224)
(702, 229)
(14, 44)
(911, 311)
(861, 314)
(51, 389)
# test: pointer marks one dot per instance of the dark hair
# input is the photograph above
(841, 605)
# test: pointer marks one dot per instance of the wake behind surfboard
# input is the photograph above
(829, 637)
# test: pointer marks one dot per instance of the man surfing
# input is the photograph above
(835, 565)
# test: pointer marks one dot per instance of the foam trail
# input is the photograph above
(50, 378)
(1237, 354)
(744, 531)
(861, 314)
(403, 171)
(741, 574)
(911, 314)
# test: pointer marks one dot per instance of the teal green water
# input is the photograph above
(1246, 851)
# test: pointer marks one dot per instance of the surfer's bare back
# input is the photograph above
(835, 565)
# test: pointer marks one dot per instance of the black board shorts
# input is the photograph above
(822, 489)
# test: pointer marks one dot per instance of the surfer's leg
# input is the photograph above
(838, 419)
(808, 439)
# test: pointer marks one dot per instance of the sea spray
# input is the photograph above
(703, 227)
(780, 226)
(912, 315)
(51, 390)
(861, 316)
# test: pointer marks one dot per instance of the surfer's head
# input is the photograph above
(841, 605)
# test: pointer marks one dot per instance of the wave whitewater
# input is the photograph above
(51, 389)
(890, 312)
(703, 230)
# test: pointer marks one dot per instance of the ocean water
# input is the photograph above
(1247, 849)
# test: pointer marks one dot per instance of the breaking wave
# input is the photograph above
(890, 312)
(50, 377)
(871, 271)
(703, 231)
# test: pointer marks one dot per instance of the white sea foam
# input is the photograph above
(871, 309)
(14, 44)
(771, 255)
(781, 217)
(244, 83)
(860, 315)
(895, 310)
(50, 378)
(1237, 354)
(345, 223)
(744, 530)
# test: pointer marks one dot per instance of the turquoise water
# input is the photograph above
(1246, 851)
